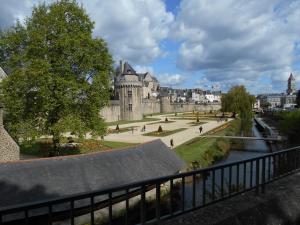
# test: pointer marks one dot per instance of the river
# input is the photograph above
(252, 148)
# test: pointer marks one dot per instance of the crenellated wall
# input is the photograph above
(113, 113)
(150, 106)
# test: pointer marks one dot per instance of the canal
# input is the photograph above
(252, 148)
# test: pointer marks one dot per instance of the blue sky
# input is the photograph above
(196, 43)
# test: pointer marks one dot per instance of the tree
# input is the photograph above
(239, 101)
(58, 73)
(298, 99)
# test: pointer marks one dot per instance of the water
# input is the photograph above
(253, 148)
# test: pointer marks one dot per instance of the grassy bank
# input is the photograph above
(43, 147)
(202, 152)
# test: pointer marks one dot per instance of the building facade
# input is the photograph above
(137, 94)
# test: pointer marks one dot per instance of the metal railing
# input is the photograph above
(153, 200)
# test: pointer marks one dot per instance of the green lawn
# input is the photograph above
(121, 130)
(164, 133)
(42, 147)
(163, 121)
(196, 123)
(120, 122)
(206, 150)
(193, 118)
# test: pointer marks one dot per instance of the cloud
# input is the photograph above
(132, 28)
(234, 41)
(171, 79)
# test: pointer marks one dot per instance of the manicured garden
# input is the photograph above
(122, 130)
(196, 123)
(164, 133)
(43, 147)
(120, 122)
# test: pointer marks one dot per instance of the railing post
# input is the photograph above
(257, 177)
(263, 175)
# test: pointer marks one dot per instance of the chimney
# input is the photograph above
(1, 114)
(121, 66)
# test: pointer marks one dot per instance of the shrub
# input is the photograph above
(160, 129)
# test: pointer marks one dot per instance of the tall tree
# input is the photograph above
(239, 101)
(58, 73)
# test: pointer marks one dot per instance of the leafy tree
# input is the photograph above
(298, 99)
(290, 125)
(265, 104)
(58, 73)
(239, 101)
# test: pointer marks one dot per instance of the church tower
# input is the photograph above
(129, 89)
(291, 88)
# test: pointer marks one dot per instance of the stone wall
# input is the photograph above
(150, 106)
(9, 150)
(111, 112)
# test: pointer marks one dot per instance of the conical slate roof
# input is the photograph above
(128, 69)
(2, 74)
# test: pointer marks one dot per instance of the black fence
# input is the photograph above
(153, 200)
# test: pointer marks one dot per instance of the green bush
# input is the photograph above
(290, 125)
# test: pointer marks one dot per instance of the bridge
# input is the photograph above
(278, 138)
(187, 192)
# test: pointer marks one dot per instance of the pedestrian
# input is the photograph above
(117, 128)
(200, 129)
(172, 143)
(144, 128)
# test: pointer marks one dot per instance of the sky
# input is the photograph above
(196, 43)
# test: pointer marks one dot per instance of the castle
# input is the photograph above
(137, 94)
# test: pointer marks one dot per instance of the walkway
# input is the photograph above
(279, 138)
(178, 138)
(279, 205)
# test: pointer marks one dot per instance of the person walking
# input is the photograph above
(200, 129)
(172, 143)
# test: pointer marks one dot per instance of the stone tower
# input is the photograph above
(9, 150)
(291, 88)
(129, 89)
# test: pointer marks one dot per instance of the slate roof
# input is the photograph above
(35, 180)
(128, 69)
(2, 74)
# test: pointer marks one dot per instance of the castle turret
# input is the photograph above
(129, 89)
(291, 88)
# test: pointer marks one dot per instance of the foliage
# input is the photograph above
(44, 147)
(58, 73)
(239, 101)
(205, 151)
(290, 125)
(159, 129)
(265, 105)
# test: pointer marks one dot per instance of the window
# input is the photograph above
(129, 93)
(130, 107)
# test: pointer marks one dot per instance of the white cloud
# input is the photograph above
(171, 79)
(238, 41)
(132, 28)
